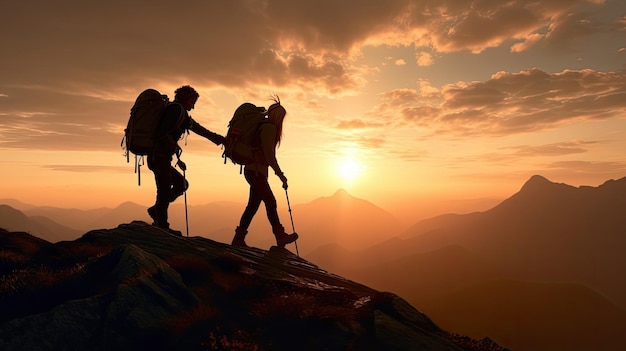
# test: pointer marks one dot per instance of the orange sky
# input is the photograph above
(428, 101)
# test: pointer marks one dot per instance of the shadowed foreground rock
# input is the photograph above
(136, 287)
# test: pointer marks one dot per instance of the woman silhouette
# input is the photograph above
(256, 174)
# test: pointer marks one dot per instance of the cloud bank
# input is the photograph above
(69, 69)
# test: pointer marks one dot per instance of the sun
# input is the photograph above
(349, 170)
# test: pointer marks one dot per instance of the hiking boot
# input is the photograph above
(240, 236)
(152, 214)
(283, 238)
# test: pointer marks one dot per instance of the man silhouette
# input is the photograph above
(170, 184)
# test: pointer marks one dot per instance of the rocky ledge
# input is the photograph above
(137, 287)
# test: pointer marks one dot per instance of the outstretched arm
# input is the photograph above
(211, 136)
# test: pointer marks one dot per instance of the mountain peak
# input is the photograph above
(536, 181)
(341, 192)
(540, 186)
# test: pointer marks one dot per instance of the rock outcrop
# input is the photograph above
(137, 287)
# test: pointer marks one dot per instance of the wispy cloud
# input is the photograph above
(554, 149)
(358, 124)
(511, 103)
(86, 168)
(589, 167)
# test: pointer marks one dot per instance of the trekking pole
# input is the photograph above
(185, 194)
(292, 226)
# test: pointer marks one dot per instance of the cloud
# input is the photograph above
(358, 123)
(77, 47)
(371, 142)
(121, 45)
(44, 120)
(554, 149)
(86, 168)
(452, 25)
(424, 59)
(621, 23)
(528, 42)
(584, 172)
(511, 103)
(328, 75)
(570, 26)
(506, 156)
(591, 167)
(69, 73)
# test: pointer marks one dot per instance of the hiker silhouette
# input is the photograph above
(170, 184)
(256, 173)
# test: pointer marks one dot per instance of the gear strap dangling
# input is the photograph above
(139, 161)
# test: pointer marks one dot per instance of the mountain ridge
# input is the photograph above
(341, 217)
(136, 287)
(13, 219)
(546, 233)
(543, 311)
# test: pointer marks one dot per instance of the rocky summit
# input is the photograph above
(137, 287)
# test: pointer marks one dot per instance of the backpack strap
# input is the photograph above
(180, 118)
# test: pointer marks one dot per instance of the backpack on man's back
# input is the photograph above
(145, 117)
(242, 143)
(143, 124)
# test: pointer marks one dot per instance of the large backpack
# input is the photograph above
(143, 124)
(145, 116)
(242, 143)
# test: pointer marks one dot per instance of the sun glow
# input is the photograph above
(349, 170)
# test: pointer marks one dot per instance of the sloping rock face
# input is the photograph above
(137, 287)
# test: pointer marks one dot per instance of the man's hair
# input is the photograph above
(185, 92)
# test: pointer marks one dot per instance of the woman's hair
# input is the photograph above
(185, 92)
(276, 114)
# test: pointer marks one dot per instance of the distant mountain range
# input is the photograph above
(548, 243)
(339, 218)
(13, 219)
(542, 270)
